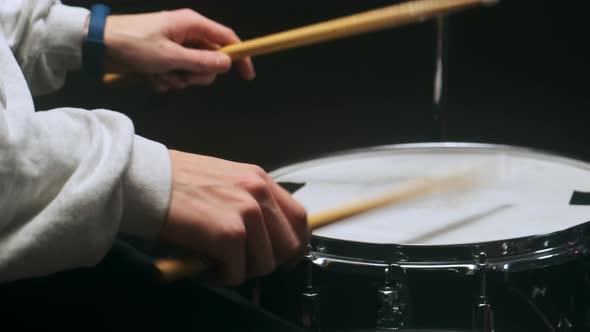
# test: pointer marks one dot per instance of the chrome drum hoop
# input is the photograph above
(511, 255)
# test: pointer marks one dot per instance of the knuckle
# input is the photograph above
(198, 62)
(256, 186)
(255, 169)
(299, 218)
(185, 12)
(232, 235)
(249, 207)
(167, 15)
(293, 247)
(223, 65)
(236, 234)
(168, 55)
(232, 33)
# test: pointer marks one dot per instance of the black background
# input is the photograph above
(517, 74)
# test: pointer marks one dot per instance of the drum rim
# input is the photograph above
(514, 254)
(428, 145)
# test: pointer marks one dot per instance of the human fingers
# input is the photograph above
(196, 28)
(294, 211)
(285, 241)
(259, 251)
(202, 45)
(201, 61)
(232, 259)
(297, 219)
(175, 80)
(246, 68)
(203, 31)
(158, 83)
(199, 79)
(197, 222)
(182, 79)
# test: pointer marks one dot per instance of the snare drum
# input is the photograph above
(507, 254)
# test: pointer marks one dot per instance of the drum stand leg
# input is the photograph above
(391, 313)
(310, 298)
(484, 315)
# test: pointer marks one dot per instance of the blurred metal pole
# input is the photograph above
(439, 107)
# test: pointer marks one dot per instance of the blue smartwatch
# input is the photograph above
(93, 47)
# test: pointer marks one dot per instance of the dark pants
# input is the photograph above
(123, 293)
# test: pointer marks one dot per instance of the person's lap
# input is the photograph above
(123, 292)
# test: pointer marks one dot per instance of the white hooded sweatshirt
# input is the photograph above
(70, 179)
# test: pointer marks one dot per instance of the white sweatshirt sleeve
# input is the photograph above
(45, 38)
(70, 179)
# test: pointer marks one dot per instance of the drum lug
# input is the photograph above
(310, 297)
(564, 325)
(391, 312)
(483, 320)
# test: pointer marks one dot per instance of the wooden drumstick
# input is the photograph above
(173, 268)
(369, 21)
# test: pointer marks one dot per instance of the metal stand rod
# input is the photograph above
(310, 298)
(439, 115)
(484, 316)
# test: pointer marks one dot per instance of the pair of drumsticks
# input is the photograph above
(374, 20)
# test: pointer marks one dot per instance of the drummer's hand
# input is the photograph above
(173, 49)
(234, 214)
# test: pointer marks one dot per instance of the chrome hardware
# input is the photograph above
(538, 291)
(310, 297)
(484, 317)
(321, 247)
(369, 268)
(391, 312)
(564, 325)
(310, 313)
(503, 256)
(483, 320)
(521, 255)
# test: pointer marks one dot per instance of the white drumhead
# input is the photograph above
(527, 194)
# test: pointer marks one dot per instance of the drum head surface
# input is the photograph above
(524, 193)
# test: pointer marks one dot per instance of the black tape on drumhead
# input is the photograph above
(580, 198)
(291, 187)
